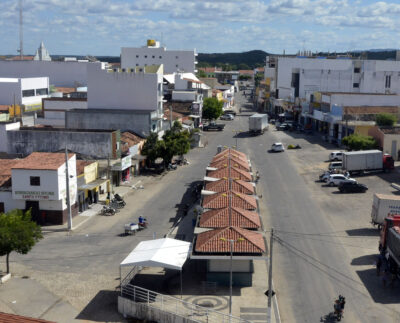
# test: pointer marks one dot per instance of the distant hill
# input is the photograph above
(251, 59)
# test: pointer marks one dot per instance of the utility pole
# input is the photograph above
(170, 116)
(67, 189)
(270, 277)
(21, 42)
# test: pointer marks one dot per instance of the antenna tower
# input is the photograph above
(21, 45)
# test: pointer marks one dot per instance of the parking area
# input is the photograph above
(349, 214)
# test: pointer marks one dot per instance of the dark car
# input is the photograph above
(352, 187)
(284, 126)
(230, 112)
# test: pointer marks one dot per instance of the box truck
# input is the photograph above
(258, 123)
(383, 206)
(366, 161)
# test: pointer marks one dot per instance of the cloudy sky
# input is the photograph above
(101, 27)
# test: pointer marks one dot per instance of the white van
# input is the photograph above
(336, 155)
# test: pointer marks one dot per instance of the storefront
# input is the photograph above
(121, 171)
(89, 193)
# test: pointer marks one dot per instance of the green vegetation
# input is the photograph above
(175, 142)
(359, 142)
(233, 61)
(201, 73)
(244, 77)
(212, 108)
(17, 233)
(385, 119)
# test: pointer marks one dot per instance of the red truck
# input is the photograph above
(389, 243)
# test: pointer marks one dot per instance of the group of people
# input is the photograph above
(386, 268)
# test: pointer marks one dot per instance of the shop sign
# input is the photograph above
(126, 162)
(34, 195)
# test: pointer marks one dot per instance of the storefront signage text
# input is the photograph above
(33, 195)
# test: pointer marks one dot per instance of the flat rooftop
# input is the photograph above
(63, 129)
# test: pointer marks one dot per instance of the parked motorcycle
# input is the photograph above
(107, 210)
(172, 166)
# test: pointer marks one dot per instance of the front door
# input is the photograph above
(35, 212)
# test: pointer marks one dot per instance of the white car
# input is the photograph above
(335, 165)
(277, 147)
(336, 179)
(227, 117)
(336, 155)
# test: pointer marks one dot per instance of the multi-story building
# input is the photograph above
(154, 54)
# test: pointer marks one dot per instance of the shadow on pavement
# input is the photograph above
(364, 232)
(375, 287)
(102, 308)
(364, 260)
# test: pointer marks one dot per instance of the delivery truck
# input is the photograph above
(389, 243)
(367, 161)
(258, 123)
(383, 206)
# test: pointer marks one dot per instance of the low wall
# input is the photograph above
(141, 311)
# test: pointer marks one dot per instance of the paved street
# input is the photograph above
(324, 244)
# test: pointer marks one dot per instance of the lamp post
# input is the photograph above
(231, 241)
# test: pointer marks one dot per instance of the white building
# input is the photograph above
(38, 182)
(64, 74)
(42, 54)
(28, 92)
(154, 54)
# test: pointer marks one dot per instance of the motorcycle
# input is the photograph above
(119, 199)
(117, 204)
(172, 166)
(107, 210)
(143, 225)
(339, 307)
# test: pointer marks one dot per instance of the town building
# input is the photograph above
(227, 77)
(388, 139)
(27, 93)
(38, 183)
(154, 54)
(42, 54)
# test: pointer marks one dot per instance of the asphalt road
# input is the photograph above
(311, 265)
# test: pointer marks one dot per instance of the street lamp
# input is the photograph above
(231, 241)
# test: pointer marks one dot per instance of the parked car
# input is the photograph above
(277, 147)
(336, 179)
(283, 126)
(335, 165)
(230, 112)
(213, 126)
(336, 155)
(272, 121)
(227, 117)
(351, 187)
(325, 175)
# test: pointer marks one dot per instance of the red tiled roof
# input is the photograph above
(234, 173)
(5, 171)
(175, 115)
(210, 241)
(65, 90)
(18, 58)
(221, 200)
(210, 69)
(219, 218)
(237, 186)
(246, 72)
(5, 107)
(230, 152)
(236, 162)
(12, 318)
(42, 161)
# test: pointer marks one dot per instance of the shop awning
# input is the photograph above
(92, 185)
(166, 253)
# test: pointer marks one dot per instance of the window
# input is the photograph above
(159, 57)
(145, 56)
(26, 93)
(153, 56)
(356, 85)
(176, 65)
(137, 56)
(137, 64)
(35, 180)
(388, 80)
(357, 70)
(176, 57)
(42, 91)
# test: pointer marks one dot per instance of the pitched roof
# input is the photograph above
(65, 90)
(246, 72)
(42, 161)
(230, 172)
(230, 152)
(5, 171)
(12, 318)
(210, 241)
(219, 218)
(221, 200)
(237, 185)
(130, 138)
(80, 166)
(236, 162)
(175, 115)
(5, 107)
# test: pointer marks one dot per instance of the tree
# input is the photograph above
(201, 73)
(151, 148)
(175, 142)
(385, 119)
(359, 142)
(244, 77)
(17, 233)
(212, 108)
(243, 66)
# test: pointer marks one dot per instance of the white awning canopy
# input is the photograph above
(166, 253)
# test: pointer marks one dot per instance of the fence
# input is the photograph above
(176, 306)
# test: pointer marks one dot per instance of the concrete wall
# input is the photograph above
(68, 74)
(8, 89)
(9, 202)
(91, 144)
(54, 110)
(4, 127)
(186, 96)
(124, 90)
(377, 134)
(143, 312)
(139, 123)
(173, 60)
(362, 100)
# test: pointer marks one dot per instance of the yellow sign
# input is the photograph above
(151, 42)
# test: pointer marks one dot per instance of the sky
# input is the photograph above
(102, 27)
